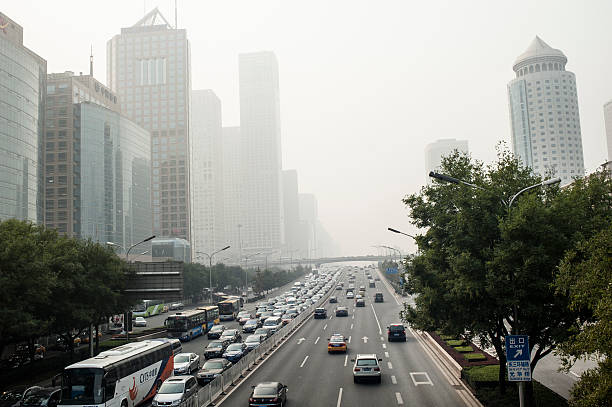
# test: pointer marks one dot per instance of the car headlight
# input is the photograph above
(176, 402)
(154, 403)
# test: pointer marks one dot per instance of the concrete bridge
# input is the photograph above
(322, 260)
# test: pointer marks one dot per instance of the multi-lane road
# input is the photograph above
(315, 378)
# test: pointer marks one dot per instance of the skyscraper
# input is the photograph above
(232, 189)
(262, 227)
(441, 148)
(291, 210)
(206, 172)
(544, 113)
(23, 78)
(608, 122)
(149, 68)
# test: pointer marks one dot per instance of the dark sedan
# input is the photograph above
(41, 397)
(235, 352)
(216, 332)
(212, 369)
(231, 336)
(215, 349)
(251, 325)
(342, 312)
(268, 394)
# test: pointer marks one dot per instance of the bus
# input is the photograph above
(233, 297)
(189, 324)
(148, 308)
(125, 376)
(228, 309)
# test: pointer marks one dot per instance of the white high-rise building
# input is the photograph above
(544, 113)
(232, 190)
(608, 122)
(441, 148)
(207, 218)
(262, 226)
(148, 66)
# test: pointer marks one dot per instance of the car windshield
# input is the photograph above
(234, 346)
(337, 339)
(213, 365)
(253, 338)
(251, 322)
(396, 328)
(215, 344)
(270, 321)
(35, 399)
(217, 328)
(181, 359)
(171, 388)
(264, 391)
(366, 362)
(229, 332)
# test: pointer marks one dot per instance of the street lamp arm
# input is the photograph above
(539, 184)
(400, 232)
(452, 180)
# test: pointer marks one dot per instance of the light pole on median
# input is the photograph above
(400, 232)
(246, 276)
(210, 257)
(552, 181)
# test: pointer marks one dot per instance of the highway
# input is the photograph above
(316, 378)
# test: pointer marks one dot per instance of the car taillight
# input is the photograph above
(377, 369)
(388, 332)
(357, 369)
(275, 399)
(251, 400)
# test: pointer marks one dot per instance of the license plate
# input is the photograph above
(367, 369)
(396, 334)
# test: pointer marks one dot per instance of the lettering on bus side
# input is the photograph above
(146, 376)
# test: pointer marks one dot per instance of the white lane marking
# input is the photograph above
(339, 398)
(384, 346)
(345, 360)
(416, 383)
(325, 327)
(351, 326)
(393, 380)
(301, 340)
(349, 339)
(304, 362)
(399, 398)
(382, 339)
(387, 355)
(353, 317)
(365, 339)
(377, 323)
(389, 365)
(318, 337)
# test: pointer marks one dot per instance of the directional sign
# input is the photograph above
(518, 357)
(391, 270)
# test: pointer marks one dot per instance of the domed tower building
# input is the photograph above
(544, 113)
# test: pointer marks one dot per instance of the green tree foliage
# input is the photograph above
(477, 260)
(585, 276)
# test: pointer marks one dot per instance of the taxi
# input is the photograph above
(337, 343)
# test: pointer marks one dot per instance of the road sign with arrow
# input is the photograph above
(518, 357)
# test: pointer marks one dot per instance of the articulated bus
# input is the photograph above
(189, 324)
(126, 376)
(228, 309)
(148, 308)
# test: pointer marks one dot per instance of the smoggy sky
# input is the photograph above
(365, 85)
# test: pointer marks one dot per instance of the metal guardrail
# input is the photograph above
(222, 383)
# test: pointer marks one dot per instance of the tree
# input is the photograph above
(477, 260)
(585, 277)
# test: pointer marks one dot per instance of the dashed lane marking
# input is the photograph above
(317, 340)
(349, 339)
(339, 398)
(345, 360)
(389, 365)
(304, 362)
(398, 397)
(387, 355)
(325, 327)
(351, 326)
(393, 380)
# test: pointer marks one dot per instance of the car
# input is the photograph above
(265, 315)
(274, 323)
(259, 311)
(253, 341)
(37, 396)
(350, 295)
(216, 332)
(251, 325)
(360, 302)
(337, 343)
(338, 287)
(285, 319)
(215, 349)
(371, 284)
(264, 332)
(396, 332)
(376, 278)
(175, 390)
(212, 369)
(342, 312)
(378, 297)
(235, 352)
(367, 367)
(186, 363)
(231, 335)
(243, 316)
(320, 313)
(12, 397)
(268, 394)
(176, 306)
(140, 321)
(333, 299)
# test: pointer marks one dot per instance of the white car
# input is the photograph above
(350, 295)
(140, 321)
(367, 367)
(186, 363)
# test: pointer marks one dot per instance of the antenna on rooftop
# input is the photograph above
(91, 61)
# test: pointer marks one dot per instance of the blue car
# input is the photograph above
(235, 352)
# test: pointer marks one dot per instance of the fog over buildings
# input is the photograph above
(347, 94)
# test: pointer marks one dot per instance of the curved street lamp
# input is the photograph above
(210, 256)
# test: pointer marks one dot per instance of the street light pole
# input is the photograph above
(246, 275)
(210, 256)
(552, 181)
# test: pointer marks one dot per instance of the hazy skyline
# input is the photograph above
(364, 86)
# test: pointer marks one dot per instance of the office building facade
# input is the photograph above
(23, 76)
(262, 227)
(291, 209)
(148, 66)
(441, 148)
(608, 123)
(206, 173)
(232, 190)
(544, 115)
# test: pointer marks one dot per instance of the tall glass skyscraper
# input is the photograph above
(544, 113)
(23, 76)
(148, 65)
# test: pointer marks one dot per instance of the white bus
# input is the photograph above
(125, 376)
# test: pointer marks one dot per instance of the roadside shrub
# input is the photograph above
(472, 357)
(464, 349)
(455, 342)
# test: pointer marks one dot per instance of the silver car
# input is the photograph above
(253, 341)
(175, 390)
(186, 363)
(366, 367)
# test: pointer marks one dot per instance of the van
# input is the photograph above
(274, 323)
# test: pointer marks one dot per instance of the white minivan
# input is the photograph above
(273, 323)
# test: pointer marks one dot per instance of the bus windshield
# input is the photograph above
(82, 386)
(176, 324)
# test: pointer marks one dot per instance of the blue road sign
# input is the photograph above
(391, 270)
(518, 357)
